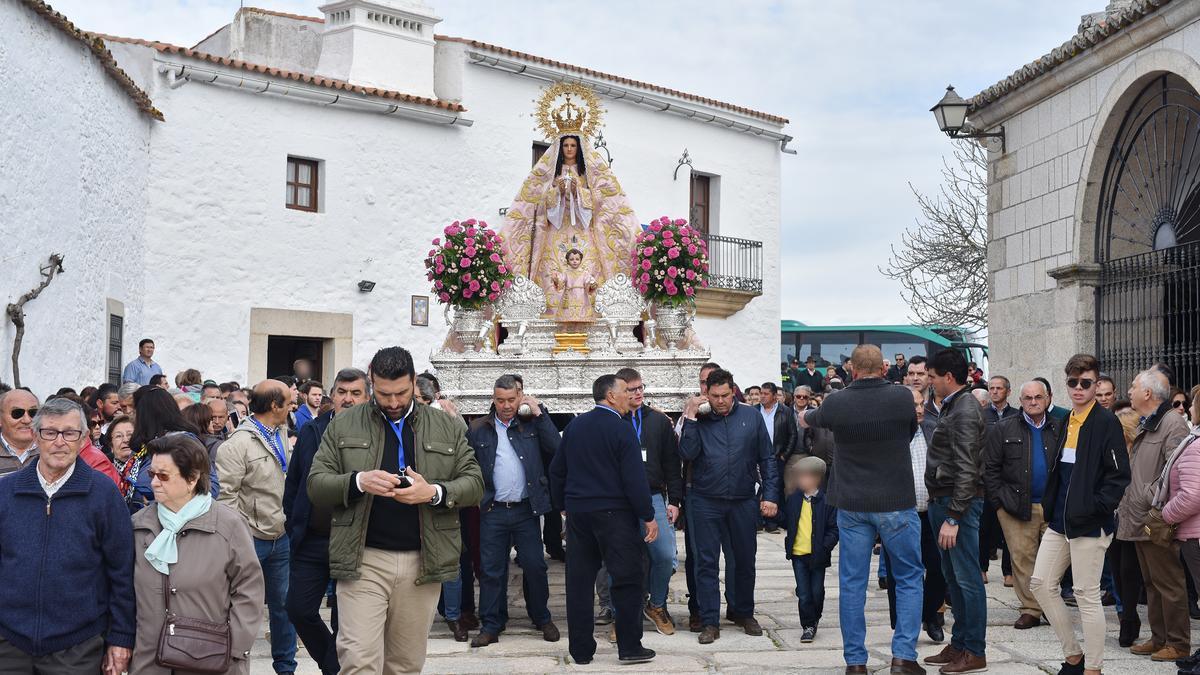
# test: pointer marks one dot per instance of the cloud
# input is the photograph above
(856, 78)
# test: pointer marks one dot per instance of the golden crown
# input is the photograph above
(579, 111)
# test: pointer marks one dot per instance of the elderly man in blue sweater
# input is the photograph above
(730, 451)
(66, 557)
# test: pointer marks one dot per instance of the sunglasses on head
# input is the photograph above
(1084, 382)
(18, 413)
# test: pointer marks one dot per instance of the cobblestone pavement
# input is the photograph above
(521, 649)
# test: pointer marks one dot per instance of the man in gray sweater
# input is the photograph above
(872, 487)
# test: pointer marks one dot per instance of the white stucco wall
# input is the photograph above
(73, 180)
(1043, 196)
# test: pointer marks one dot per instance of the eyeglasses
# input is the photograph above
(636, 390)
(123, 436)
(1078, 382)
(18, 413)
(1039, 397)
(1178, 404)
(162, 476)
(68, 435)
(802, 396)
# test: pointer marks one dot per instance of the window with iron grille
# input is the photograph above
(302, 187)
(116, 339)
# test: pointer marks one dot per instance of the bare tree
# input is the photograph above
(941, 263)
(16, 311)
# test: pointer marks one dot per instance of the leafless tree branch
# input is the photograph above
(16, 311)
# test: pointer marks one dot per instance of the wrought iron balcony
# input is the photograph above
(735, 264)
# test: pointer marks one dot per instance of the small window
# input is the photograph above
(700, 202)
(116, 340)
(302, 184)
(539, 149)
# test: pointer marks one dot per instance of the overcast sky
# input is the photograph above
(855, 77)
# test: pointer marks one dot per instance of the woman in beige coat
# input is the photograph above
(205, 546)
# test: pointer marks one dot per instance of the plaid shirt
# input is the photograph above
(917, 451)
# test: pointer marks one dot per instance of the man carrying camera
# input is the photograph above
(512, 450)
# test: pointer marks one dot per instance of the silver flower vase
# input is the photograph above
(672, 322)
(469, 326)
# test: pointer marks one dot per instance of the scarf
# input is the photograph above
(162, 551)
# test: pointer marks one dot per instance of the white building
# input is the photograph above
(1094, 201)
(181, 226)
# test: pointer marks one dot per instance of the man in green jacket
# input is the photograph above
(395, 532)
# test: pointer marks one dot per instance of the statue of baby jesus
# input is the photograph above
(576, 285)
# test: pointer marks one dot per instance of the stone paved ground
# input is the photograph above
(521, 650)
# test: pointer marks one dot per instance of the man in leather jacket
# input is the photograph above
(1020, 450)
(953, 475)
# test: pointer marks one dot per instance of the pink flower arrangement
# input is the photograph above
(469, 245)
(670, 261)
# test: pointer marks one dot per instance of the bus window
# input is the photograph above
(832, 348)
(892, 344)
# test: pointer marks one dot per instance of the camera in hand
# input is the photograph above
(704, 408)
(525, 412)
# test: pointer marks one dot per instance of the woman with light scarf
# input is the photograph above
(204, 549)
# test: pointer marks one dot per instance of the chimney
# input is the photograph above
(380, 43)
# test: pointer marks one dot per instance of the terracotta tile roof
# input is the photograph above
(616, 78)
(100, 51)
(341, 85)
(1090, 34)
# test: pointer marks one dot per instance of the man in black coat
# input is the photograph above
(512, 453)
(308, 528)
(781, 427)
(810, 376)
(598, 478)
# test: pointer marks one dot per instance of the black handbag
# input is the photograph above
(192, 645)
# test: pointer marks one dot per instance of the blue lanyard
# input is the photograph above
(275, 442)
(636, 418)
(397, 428)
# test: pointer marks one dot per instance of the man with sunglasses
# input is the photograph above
(18, 443)
(67, 601)
(1086, 480)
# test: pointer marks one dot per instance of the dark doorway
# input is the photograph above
(282, 352)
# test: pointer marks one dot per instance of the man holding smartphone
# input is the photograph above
(395, 473)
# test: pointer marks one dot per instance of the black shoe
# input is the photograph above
(1194, 611)
(1129, 633)
(1071, 669)
(458, 630)
(1110, 600)
(557, 554)
(1190, 662)
(484, 639)
(810, 632)
(641, 656)
(883, 584)
(604, 618)
(708, 635)
(935, 632)
(582, 662)
(549, 631)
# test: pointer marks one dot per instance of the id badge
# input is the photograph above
(644, 454)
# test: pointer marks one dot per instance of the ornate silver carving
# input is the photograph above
(620, 307)
(520, 309)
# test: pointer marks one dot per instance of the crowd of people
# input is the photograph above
(144, 526)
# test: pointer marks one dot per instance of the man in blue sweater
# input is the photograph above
(66, 557)
(730, 451)
(598, 478)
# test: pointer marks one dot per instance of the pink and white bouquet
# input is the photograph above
(670, 261)
(467, 270)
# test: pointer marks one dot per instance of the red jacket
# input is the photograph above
(94, 458)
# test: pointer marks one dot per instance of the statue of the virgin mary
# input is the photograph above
(570, 227)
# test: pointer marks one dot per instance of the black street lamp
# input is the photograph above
(951, 116)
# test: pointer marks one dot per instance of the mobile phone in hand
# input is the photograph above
(405, 481)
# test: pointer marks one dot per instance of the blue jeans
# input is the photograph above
(810, 589)
(275, 558)
(500, 529)
(964, 578)
(901, 535)
(450, 605)
(661, 554)
(713, 520)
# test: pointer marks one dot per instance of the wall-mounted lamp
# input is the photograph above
(685, 159)
(602, 145)
(366, 286)
(951, 116)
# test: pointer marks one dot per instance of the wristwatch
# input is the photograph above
(952, 521)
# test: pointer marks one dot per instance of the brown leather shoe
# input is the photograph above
(906, 667)
(949, 654)
(856, 670)
(695, 625)
(469, 621)
(967, 663)
(484, 639)
(549, 631)
(1145, 648)
(459, 631)
(661, 620)
(709, 635)
(1027, 621)
(750, 625)
(1169, 653)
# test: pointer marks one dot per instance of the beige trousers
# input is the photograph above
(1085, 557)
(1023, 538)
(383, 617)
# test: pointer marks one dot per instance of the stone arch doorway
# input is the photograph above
(1148, 235)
